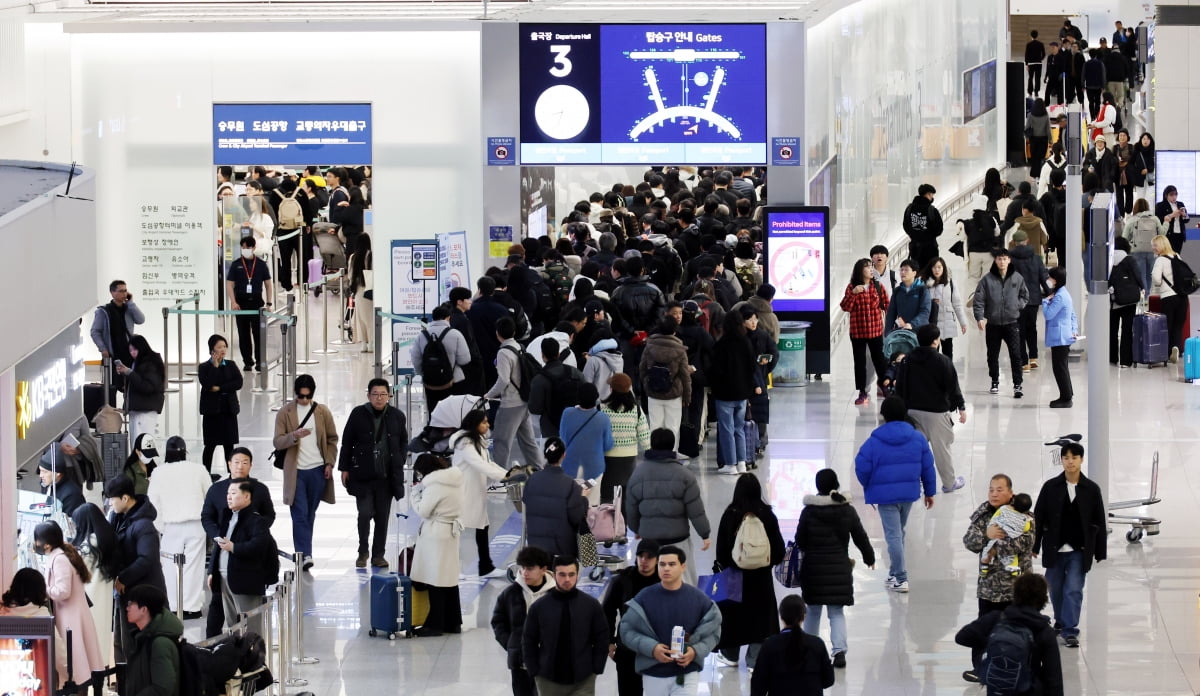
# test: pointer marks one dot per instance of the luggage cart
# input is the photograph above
(1139, 525)
(514, 490)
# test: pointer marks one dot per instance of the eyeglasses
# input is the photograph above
(378, 395)
(304, 396)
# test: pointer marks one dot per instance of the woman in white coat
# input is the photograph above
(438, 499)
(472, 457)
(66, 573)
(97, 543)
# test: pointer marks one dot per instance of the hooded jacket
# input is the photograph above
(894, 464)
(545, 394)
(153, 665)
(922, 221)
(661, 497)
(138, 542)
(1000, 300)
(929, 382)
(604, 361)
(554, 510)
(667, 350)
(824, 533)
(911, 303)
(1045, 661)
(508, 617)
(455, 344)
(1027, 263)
(438, 501)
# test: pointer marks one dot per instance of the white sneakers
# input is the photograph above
(741, 467)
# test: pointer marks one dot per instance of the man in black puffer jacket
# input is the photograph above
(133, 518)
(641, 303)
(565, 641)
(532, 583)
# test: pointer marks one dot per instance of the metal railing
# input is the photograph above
(179, 559)
(325, 349)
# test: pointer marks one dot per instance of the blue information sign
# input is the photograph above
(785, 152)
(501, 152)
(291, 134)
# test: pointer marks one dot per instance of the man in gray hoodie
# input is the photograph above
(999, 299)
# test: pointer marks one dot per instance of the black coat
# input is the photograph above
(1045, 661)
(735, 380)
(626, 583)
(588, 640)
(824, 533)
(1104, 165)
(554, 509)
(699, 344)
(929, 382)
(777, 673)
(228, 379)
(215, 502)
(145, 385)
(1162, 209)
(756, 617)
(640, 303)
(253, 553)
(69, 494)
(508, 619)
(137, 543)
(1048, 516)
(358, 450)
(1143, 158)
(484, 313)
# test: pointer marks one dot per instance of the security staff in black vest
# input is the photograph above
(247, 281)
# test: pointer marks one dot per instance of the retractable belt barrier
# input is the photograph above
(179, 560)
(179, 377)
(285, 319)
(325, 280)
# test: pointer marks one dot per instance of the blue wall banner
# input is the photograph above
(291, 134)
(501, 152)
(785, 152)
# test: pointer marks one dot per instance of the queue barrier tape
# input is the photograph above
(213, 312)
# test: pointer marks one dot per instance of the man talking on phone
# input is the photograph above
(112, 327)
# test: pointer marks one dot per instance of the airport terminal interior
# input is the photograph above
(145, 97)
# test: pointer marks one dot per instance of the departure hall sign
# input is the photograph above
(291, 134)
(643, 94)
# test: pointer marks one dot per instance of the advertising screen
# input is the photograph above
(979, 91)
(26, 660)
(639, 93)
(796, 252)
(1181, 169)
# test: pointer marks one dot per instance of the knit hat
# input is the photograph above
(691, 307)
(647, 547)
(1101, 139)
(620, 383)
(827, 481)
(1020, 236)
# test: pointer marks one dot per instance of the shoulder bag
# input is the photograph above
(278, 455)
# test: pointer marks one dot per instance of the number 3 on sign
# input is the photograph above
(562, 64)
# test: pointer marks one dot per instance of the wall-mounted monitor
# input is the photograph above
(643, 94)
(1178, 168)
(979, 91)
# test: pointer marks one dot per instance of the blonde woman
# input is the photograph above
(1162, 283)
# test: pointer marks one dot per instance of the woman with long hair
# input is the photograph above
(1125, 165)
(66, 575)
(26, 597)
(145, 387)
(471, 455)
(827, 524)
(951, 316)
(731, 387)
(1173, 214)
(220, 380)
(993, 187)
(362, 284)
(792, 663)
(1141, 170)
(755, 618)
(864, 302)
(630, 432)
(97, 544)
(1174, 304)
(437, 497)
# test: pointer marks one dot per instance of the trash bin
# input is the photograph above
(792, 368)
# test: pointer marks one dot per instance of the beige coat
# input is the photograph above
(439, 502)
(71, 612)
(321, 424)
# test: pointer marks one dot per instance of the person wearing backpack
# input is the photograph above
(827, 524)
(1021, 634)
(555, 387)
(439, 355)
(152, 666)
(1140, 230)
(748, 538)
(1125, 291)
(511, 422)
(666, 377)
(290, 203)
(1169, 280)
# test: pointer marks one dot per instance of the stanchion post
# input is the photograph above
(261, 353)
(305, 288)
(396, 375)
(344, 303)
(378, 344)
(179, 378)
(326, 350)
(166, 349)
(196, 307)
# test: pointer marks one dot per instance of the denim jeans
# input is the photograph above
(837, 625)
(310, 486)
(731, 432)
(894, 516)
(1066, 590)
(1145, 264)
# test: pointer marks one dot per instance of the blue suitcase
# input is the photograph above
(391, 605)
(1191, 359)
(1150, 339)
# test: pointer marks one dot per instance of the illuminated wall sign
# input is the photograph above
(49, 391)
(291, 134)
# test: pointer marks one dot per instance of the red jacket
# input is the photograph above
(865, 310)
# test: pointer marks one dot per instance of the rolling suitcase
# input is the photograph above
(1154, 304)
(689, 440)
(1191, 359)
(1150, 339)
(391, 605)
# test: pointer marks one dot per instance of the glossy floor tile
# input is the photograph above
(1141, 616)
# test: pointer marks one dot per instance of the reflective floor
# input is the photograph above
(1140, 621)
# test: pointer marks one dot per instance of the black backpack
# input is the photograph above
(1124, 282)
(1006, 666)
(980, 229)
(658, 379)
(565, 393)
(1186, 282)
(437, 369)
(529, 369)
(204, 671)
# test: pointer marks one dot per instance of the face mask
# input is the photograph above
(247, 253)
(143, 458)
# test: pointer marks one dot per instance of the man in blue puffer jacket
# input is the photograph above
(893, 466)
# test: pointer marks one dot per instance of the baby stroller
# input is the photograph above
(896, 345)
(445, 420)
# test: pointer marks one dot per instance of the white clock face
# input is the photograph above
(562, 112)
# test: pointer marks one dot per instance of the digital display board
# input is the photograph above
(979, 91)
(797, 256)
(640, 93)
(27, 656)
(1178, 168)
(291, 134)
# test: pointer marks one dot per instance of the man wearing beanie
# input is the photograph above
(894, 466)
(65, 489)
(625, 585)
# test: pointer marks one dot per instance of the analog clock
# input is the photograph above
(562, 112)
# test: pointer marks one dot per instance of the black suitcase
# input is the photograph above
(93, 399)
(689, 440)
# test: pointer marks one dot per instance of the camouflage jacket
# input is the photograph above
(997, 585)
